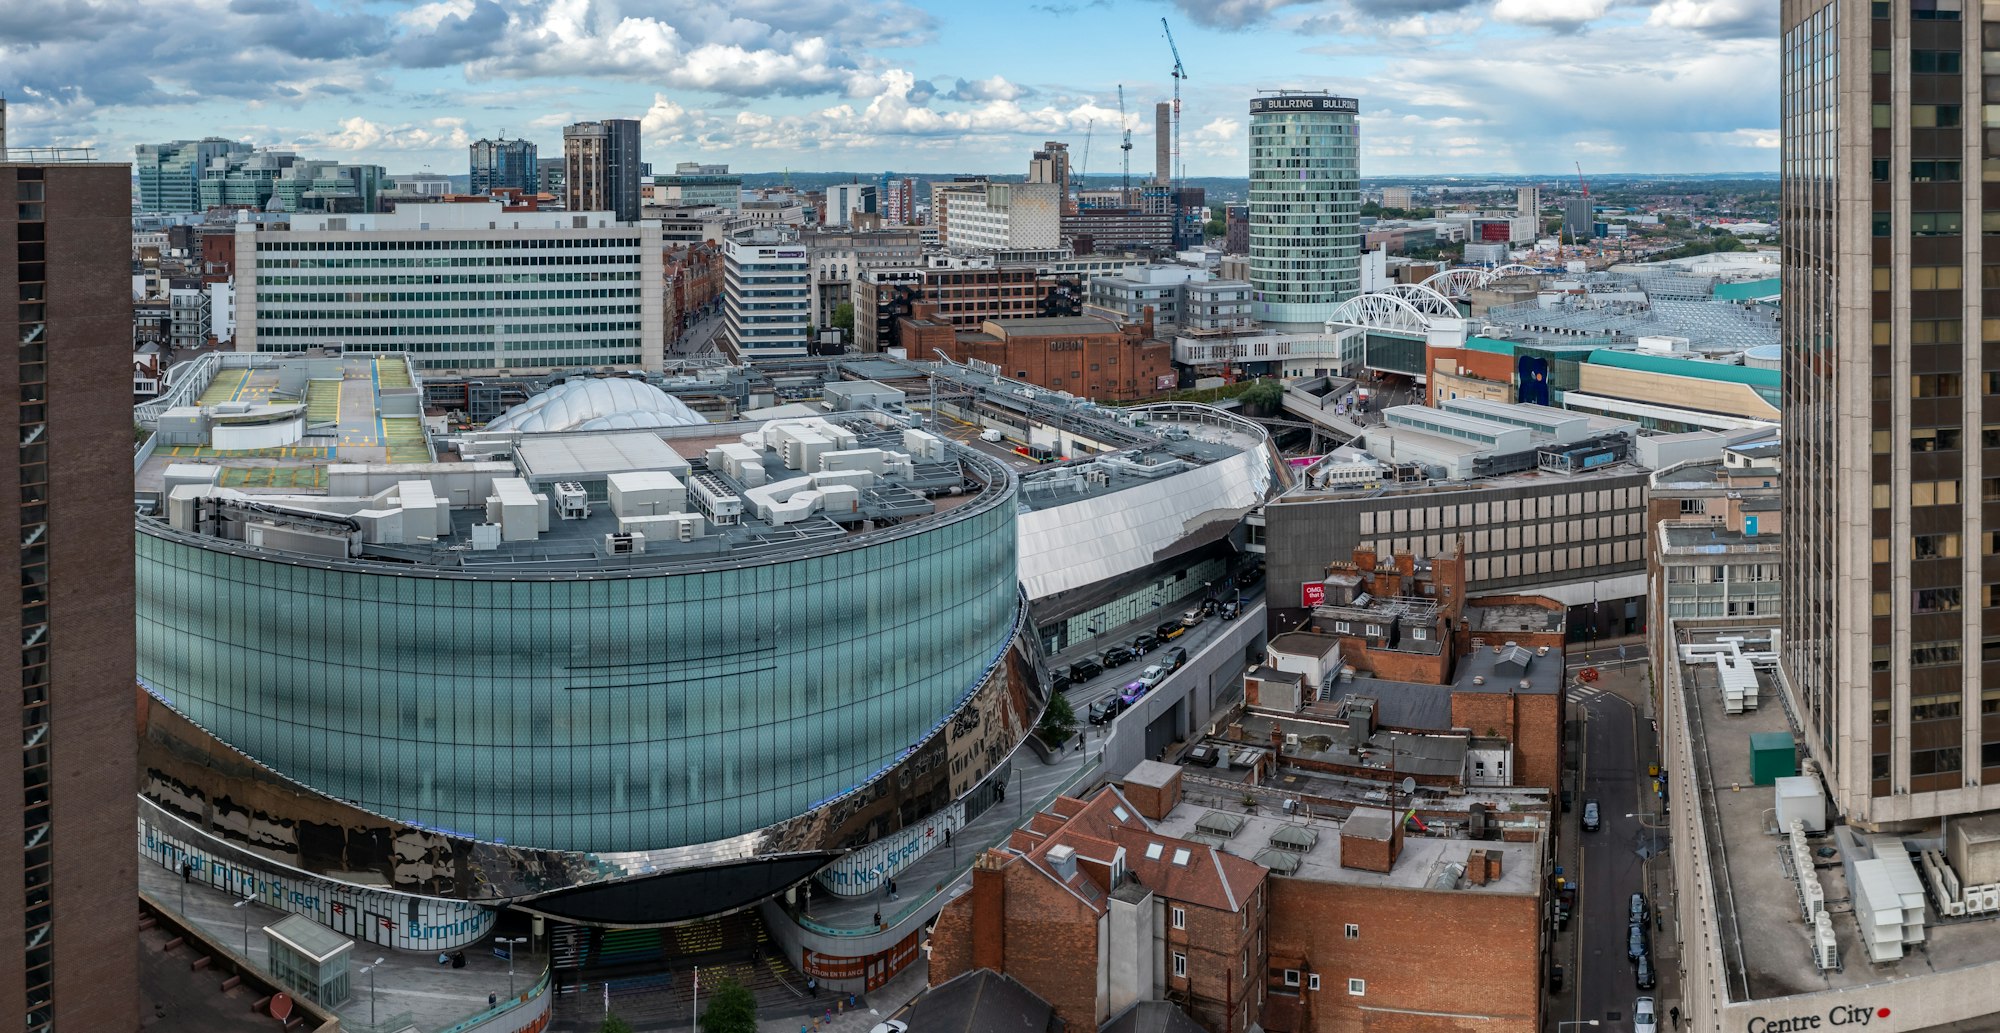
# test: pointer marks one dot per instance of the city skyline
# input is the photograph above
(1447, 86)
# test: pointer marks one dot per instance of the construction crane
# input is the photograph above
(1174, 177)
(1083, 171)
(1125, 166)
(1580, 182)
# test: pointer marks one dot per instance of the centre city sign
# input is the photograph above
(1841, 1015)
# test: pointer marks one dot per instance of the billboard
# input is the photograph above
(1312, 593)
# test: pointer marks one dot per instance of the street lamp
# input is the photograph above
(370, 969)
(512, 945)
(239, 905)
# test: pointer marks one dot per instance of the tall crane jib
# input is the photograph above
(1183, 216)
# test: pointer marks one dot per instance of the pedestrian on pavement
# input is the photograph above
(813, 985)
(1674, 1013)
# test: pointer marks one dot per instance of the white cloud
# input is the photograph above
(1717, 17)
(1560, 15)
(359, 134)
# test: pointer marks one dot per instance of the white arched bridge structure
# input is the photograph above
(1402, 309)
(1458, 283)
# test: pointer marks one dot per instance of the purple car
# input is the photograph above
(1132, 693)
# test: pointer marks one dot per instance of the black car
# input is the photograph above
(1176, 658)
(1102, 711)
(1590, 818)
(1117, 656)
(1145, 643)
(1640, 912)
(1060, 681)
(1084, 670)
(1231, 609)
(1635, 943)
(1249, 576)
(1555, 979)
(1644, 975)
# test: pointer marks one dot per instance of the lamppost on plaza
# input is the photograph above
(370, 969)
(240, 906)
(513, 944)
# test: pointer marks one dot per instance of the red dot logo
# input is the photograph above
(1882, 1012)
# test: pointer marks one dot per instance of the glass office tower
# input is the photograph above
(1305, 205)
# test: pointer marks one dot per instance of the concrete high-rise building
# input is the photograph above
(170, 173)
(845, 199)
(601, 167)
(1578, 219)
(1050, 164)
(525, 291)
(1528, 201)
(998, 216)
(1396, 197)
(766, 294)
(503, 164)
(899, 201)
(1163, 143)
(65, 253)
(1889, 545)
(1305, 205)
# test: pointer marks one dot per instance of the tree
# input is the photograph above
(732, 1008)
(1216, 228)
(1264, 396)
(614, 1024)
(1058, 721)
(843, 316)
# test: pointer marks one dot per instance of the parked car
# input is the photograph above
(1231, 609)
(1249, 576)
(1102, 711)
(1192, 617)
(1635, 943)
(1176, 658)
(1555, 979)
(1084, 670)
(1590, 816)
(1644, 1020)
(1060, 681)
(1644, 973)
(1117, 656)
(1171, 630)
(1154, 675)
(1640, 912)
(1133, 692)
(1209, 605)
(891, 1026)
(1145, 643)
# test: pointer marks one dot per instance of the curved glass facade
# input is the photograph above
(1305, 206)
(595, 713)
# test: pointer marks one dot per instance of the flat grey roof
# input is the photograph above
(1756, 895)
(309, 938)
(544, 457)
(1056, 324)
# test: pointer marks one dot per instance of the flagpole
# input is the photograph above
(695, 1018)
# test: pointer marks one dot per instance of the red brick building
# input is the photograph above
(1084, 355)
(1350, 926)
(1093, 909)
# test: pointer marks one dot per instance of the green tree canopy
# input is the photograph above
(843, 316)
(614, 1024)
(1264, 395)
(1058, 721)
(732, 1008)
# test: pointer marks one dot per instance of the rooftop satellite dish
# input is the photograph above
(1409, 786)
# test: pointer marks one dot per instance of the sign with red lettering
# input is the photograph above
(1312, 593)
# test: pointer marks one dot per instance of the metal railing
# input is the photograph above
(890, 921)
(533, 994)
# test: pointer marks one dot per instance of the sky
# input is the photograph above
(1446, 86)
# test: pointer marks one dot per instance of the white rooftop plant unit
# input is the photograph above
(1888, 905)
(1826, 947)
(572, 502)
(1812, 898)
